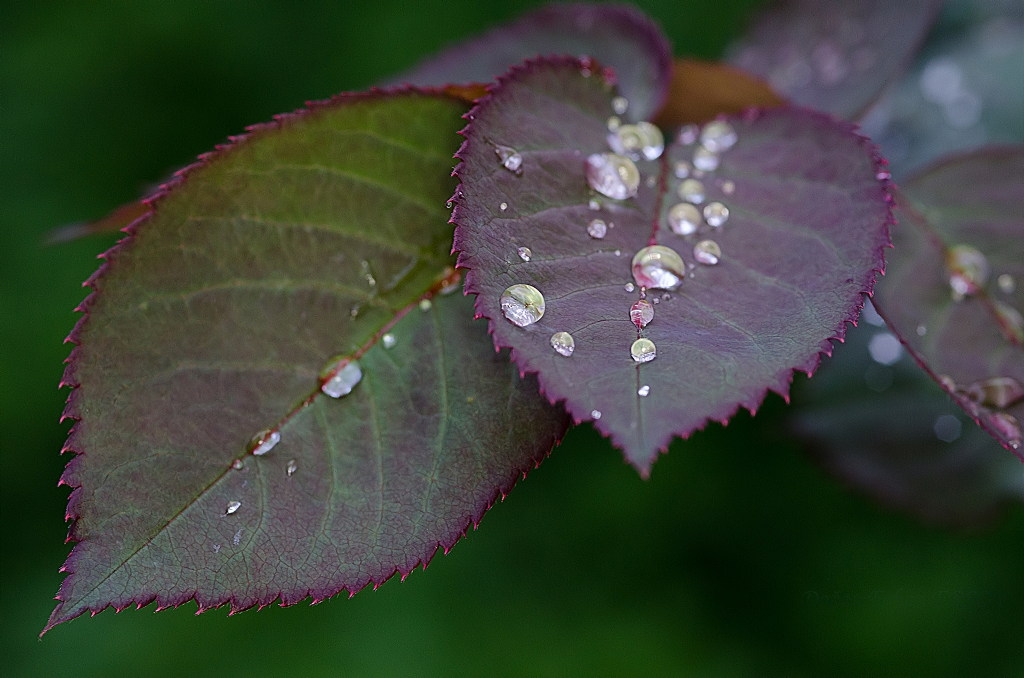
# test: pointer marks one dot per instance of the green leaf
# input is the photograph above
(309, 238)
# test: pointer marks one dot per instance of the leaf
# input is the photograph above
(971, 201)
(803, 240)
(615, 35)
(834, 55)
(308, 238)
(886, 429)
(701, 90)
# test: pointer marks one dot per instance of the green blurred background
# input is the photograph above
(737, 558)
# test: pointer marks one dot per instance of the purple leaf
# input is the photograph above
(615, 35)
(834, 55)
(955, 286)
(802, 240)
(322, 234)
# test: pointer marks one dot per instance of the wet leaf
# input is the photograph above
(802, 240)
(834, 55)
(700, 90)
(618, 36)
(322, 234)
(954, 289)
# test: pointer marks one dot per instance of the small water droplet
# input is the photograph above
(885, 348)
(597, 229)
(522, 305)
(641, 313)
(503, 206)
(947, 428)
(998, 392)
(883, 175)
(728, 187)
(968, 270)
(426, 305)
(947, 382)
(620, 104)
(291, 468)
(233, 506)
(594, 205)
(264, 441)
(643, 350)
(684, 218)
(692, 190)
(716, 214)
(614, 123)
(448, 204)
(707, 252)
(629, 287)
(1007, 425)
(341, 377)
(688, 134)
(389, 340)
(612, 175)
(651, 181)
(596, 414)
(658, 267)
(718, 136)
(704, 159)
(921, 330)
(510, 158)
(617, 253)
(1006, 283)
(682, 169)
(642, 140)
(643, 391)
(237, 464)
(524, 253)
(563, 343)
(1010, 321)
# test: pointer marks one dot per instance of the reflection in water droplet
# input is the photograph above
(707, 252)
(643, 350)
(642, 140)
(947, 428)
(620, 104)
(344, 380)
(688, 134)
(716, 214)
(389, 340)
(1007, 425)
(641, 313)
(718, 136)
(704, 159)
(885, 348)
(1006, 283)
(510, 158)
(683, 218)
(425, 305)
(612, 175)
(597, 229)
(968, 270)
(596, 414)
(657, 267)
(728, 187)
(264, 441)
(524, 253)
(998, 392)
(563, 343)
(682, 169)
(522, 305)
(594, 205)
(233, 506)
(692, 190)
(629, 287)
(1010, 321)
(643, 391)
(614, 123)
(503, 206)
(292, 467)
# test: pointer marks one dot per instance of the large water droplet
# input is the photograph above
(716, 214)
(620, 104)
(1006, 283)
(718, 136)
(522, 305)
(998, 392)
(657, 267)
(704, 159)
(233, 506)
(524, 253)
(885, 348)
(563, 343)
(692, 190)
(291, 468)
(683, 218)
(510, 158)
(642, 140)
(612, 175)
(707, 252)
(968, 270)
(641, 313)
(1010, 321)
(343, 380)
(597, 229)
(389, 340)
(643, 391)
(643, 350)
(264, 441)
(1008, 426)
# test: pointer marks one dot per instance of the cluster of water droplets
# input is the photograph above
(968, 272)
(990, 397)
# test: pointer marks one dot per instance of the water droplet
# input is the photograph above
(651, 181)
(524, 253)
(718, 136)
(1010, 321)
(705, 160)
(707, 252)
(563, 343)
(620, 104)
(655, 141)
(389, 340)
(683, 218)
(688, 134)
(947, 382)
(1007, 425)
(614, 123)
(596, 414)
(264, 441)
(343, 380)
(947, 428)
(998, 392)
(658, 267)
(716, 214)
(885, 348)
(503, 206)
(968, 270)
(641, 313)
(237, 464)
(617, 253)
(522, 305)
(643, 391)
(642, 140)
(597, 229)
(233, 506)
(510, 158)
(594, 205)
(643, 350)
(613, 175)
(629, 287)
(921, 330)
(682, 169)
(692, 190)
(291, 468)
(1006, 283)
(883, 175)
(425, 305)
(728, 187)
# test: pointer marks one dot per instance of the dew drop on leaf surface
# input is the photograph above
(596, 414)
(707, 252)
(643, 350)
(522, 305)
(264, 441)
(563, 343)
(658, 267)
(510, 158)
(718, 136)
(1008, 426)
(425, 305)
(641, 313)
(688, 134)
(1010, 321)
(703, 159)
(620, 104)
(612, 175)
(643, 391)
(998, 392)
(728, 187)
(968, 270)
(524, 253)
(682, 169)
(388, 340)
(692, 190)
(597, 229)
(233, 506)
(716, 214)
(684, 218)
(344, 380)
(292, 467)
(1006, 283)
